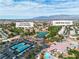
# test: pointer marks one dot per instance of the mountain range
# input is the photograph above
(58, 17)
(46, 18)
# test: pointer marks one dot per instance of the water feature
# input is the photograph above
(48, 55)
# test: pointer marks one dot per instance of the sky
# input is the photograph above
(26, 9)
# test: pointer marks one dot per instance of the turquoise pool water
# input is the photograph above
(41, 34)
(47, 55)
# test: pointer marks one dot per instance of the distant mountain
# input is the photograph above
(47, 18)
(58, 17)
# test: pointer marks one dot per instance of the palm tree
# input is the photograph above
(75, 52)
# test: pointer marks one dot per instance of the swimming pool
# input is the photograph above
(48, 55)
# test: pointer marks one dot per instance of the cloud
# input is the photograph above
(35, 8)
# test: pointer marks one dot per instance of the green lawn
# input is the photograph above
(52, 32)
(71, 52)
(70, 58)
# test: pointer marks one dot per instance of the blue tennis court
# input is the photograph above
(41, 34)
(18, 49)
(17, 46)
(21, 48)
